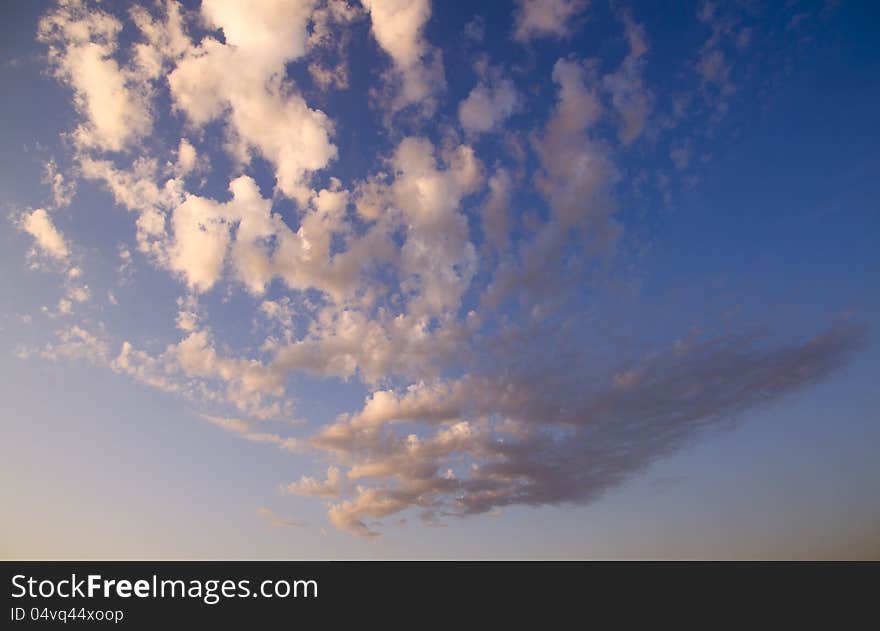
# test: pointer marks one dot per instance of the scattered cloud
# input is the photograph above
(47, 237)
(114, 106)
(488, 106)
(417, 75)
(451, 277)
(546, 18)
(630, 97)
(63, 189)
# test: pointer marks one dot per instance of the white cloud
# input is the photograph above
(331, 28)
(63, 189)
(398, 26)
(201, 238)
(79, 293)
(48, 238)
(164, 40)
(264, 112)
(311, 487)
(73, 343)
(82, 41)
(187, 157)
(438, 260)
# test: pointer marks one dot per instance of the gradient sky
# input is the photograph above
(402, 279)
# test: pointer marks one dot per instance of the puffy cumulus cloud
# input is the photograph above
(47, 237)
(331, 486)
(205, 234)
(164, 38)
(307, 259)
(378, 326)
(264, 112)
(201, 238)
(188, 315)
(488, 105)
(417, 76)
(114, 104)
(438, 258)
(197, 237)
(546, 18)
(187, 158)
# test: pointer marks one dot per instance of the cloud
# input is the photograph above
(246, 430)
(557, 433)
(417, 76)
(275, 520)
(47, 237)
(629, 96)
(206, 234)
(328, 42)
(63, 189)
(454, 286)
(311, 487)
(78, 293)
(164, 38)
(576, 170)
(82, 42)
(264, 113)
(495, 211)
(187, 158)
(487, 106)
(545, 18)
(194, 369)
(72, 343)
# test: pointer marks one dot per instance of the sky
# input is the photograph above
(309, 279)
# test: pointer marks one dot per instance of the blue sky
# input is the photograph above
(417, 280)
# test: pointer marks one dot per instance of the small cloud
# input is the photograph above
(275, 520)
(46, 236)
(546, 18)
